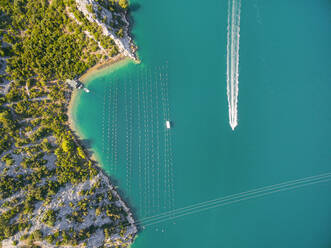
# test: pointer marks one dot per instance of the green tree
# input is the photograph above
(67, 145)
(80, 152)
(123, 3)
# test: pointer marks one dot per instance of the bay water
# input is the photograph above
(284, 119)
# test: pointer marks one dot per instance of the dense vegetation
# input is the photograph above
(47, 43)
(43, 45)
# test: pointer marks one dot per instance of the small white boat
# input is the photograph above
(86, 90)
(168, 124)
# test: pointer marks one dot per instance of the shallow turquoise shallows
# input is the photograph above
(284, 130)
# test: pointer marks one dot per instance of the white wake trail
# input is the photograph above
(232, 71)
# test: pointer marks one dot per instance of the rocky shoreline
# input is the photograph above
(54, 211)
(127, 50)
(124, 43)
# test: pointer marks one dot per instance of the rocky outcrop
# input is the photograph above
(66, 203)
(125, 43)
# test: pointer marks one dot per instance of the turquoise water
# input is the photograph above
(283, 132)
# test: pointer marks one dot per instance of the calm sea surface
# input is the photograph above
(283, 134)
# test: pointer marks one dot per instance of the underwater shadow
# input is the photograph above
(134, 7)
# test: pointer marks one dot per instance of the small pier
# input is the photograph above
(76, 84)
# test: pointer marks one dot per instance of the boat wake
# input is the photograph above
(232, 60)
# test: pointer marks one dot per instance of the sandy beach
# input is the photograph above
(105, 67)
(100, 68)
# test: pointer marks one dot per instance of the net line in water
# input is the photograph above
(148, 142)
(152, 138)
(164, 133)
(171, 167)
(144, 154)
(171, 214)
(232, 60)
(127, 132)
(130, 147)
(231, 199)
(139, 143)
(171, 217)
(115, 118)
(157, 137)
(138, 131)
(110, 139)
(237, 195)
(235, 198)
(168, 167)
(103, 125)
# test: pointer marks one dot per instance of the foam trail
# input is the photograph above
(232, 60)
